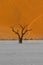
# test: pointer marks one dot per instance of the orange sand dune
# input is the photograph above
(21, 12)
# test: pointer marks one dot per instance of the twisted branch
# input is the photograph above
(15, 31)
(23, 28)
(23, 31)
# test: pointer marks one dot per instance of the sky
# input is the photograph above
(13, 12)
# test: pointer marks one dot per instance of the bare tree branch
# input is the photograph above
(23, 27)
(26, 31)
(15, 31)
(23, 32)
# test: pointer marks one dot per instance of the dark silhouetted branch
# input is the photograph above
(15, 31)
(25, 32)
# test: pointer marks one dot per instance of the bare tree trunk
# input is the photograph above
(23, 32)
(20, 40)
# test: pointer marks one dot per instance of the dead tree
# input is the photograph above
(23, 32)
